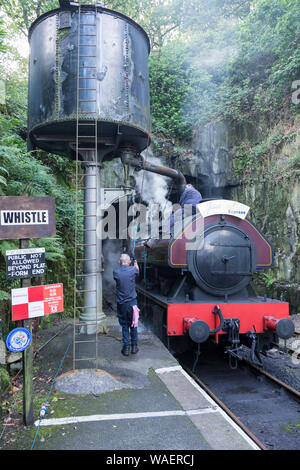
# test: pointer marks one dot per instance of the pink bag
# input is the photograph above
(135, 316)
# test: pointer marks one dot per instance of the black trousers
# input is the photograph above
(129, 333)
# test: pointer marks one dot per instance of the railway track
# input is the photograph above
(225, 408)
(265, 407)
(290, 350)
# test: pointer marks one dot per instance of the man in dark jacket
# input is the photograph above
(125, 277)
(191, 197)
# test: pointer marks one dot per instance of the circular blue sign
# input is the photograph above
(18, 340)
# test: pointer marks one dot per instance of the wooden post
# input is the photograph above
(27, 362)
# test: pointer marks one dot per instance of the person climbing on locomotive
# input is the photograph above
(191, 197)
(126, 297)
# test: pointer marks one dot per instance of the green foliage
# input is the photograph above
(26, 173)
(169, 91)
(273, 159)
(4, 295)
(24, 12)
(234, 70)
(4, 383)
(2, 36)
(268, 279)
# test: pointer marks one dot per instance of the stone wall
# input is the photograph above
(275, 206)
(209, 164)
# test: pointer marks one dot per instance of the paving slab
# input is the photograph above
(140, 402)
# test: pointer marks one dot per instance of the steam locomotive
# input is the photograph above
(195, 286)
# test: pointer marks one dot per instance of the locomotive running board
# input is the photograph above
(159, 299)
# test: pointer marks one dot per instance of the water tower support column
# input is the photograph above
(92, 317)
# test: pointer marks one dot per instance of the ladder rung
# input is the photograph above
(87, 78)
(85, 290)
(87, 136)
(86, 259)
(86, 244)
(80, 324)
(89, 188)
(84, 215)
(86, 148)
(87, 101)
(88, 24)
(86, 230)
(85, 174)
(84, 275)
(87, 45)
(89, 89)
(86, 124)
(89, 202)
(86, 358)
(85, 341)
(89, 35)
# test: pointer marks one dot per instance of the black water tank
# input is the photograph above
(114, 67)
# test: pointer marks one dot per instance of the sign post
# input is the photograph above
(27, 361)
(22, 218)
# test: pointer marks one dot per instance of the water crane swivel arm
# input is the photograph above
(139, 163)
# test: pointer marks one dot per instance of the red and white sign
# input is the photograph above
(32, 302)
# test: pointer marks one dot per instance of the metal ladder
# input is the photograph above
(86, 272)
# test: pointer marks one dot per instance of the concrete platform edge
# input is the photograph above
(236, 438)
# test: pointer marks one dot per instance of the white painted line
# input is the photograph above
(119, 416)
(221, 411)
(167, 369)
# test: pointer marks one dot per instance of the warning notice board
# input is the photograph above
(36, 301)
(25, 263)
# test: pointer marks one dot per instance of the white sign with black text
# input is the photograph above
(10, 217)
(25, 263)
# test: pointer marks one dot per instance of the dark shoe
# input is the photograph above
(134, 349)
(125, 351)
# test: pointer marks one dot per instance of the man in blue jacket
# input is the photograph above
(126, 297)
(190, 196)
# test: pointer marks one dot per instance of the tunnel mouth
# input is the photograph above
(225, 262)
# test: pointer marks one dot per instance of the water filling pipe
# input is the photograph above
(129, 156)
